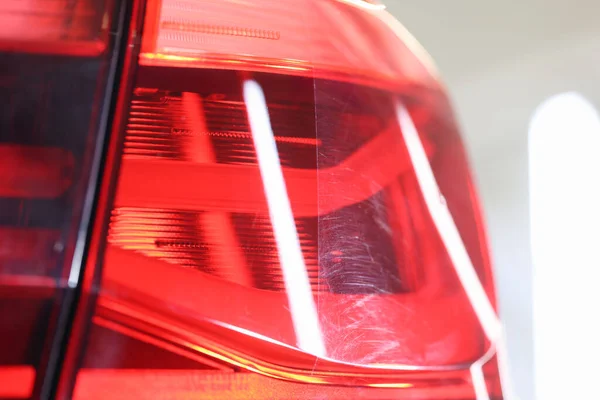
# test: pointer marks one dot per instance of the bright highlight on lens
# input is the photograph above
(564, 140)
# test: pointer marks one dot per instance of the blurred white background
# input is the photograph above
(500, 61)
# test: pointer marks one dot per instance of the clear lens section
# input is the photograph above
(294, 200)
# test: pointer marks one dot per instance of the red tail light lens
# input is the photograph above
(56, 67)
(70, 27)
(293, 216)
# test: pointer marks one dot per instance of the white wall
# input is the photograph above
(500, 60)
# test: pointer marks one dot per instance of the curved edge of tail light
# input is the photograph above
(286, 212)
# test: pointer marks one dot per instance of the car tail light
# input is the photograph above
(57, 62)
(67, 27)
(286, 211)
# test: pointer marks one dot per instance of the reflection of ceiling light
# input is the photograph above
(297, 283)
(564, 167)
(368, 4)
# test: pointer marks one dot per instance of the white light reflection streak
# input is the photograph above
(477, 376)
(297, 284)
(365, 5)
(453, 243)
(447, 228)
(564, 184)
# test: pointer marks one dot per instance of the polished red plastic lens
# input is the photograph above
(73, 27)
(55, 69)
(293, 216)
(40, 172)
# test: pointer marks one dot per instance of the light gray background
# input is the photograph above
(500, 60)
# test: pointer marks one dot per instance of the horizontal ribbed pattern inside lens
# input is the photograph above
(260, 249)
(334, 246)
(173, 236)
(159, 127)
(189, 239)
